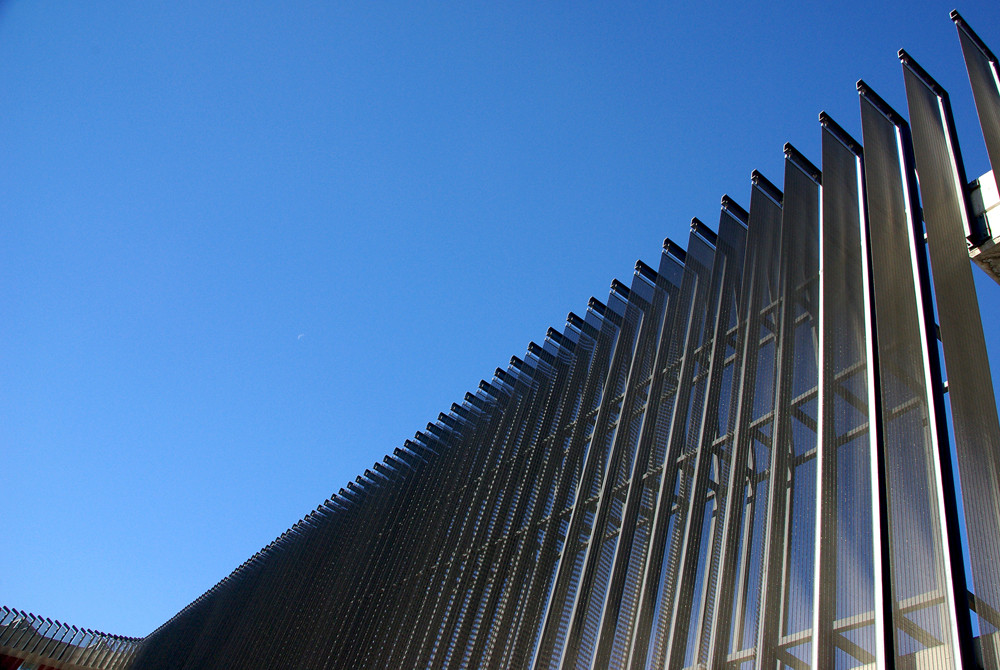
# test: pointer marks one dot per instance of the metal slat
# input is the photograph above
(763, 234)
(984, 76)
(908, 371)
(581, 530)
(598, 574)
(640, 405)
(973, 406)
(691, 562)
(848, 505)
(799, 264)
(639, 489)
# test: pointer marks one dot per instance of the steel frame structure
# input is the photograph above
(34, 641)
(739, 459)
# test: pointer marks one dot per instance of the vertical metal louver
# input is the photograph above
(739, 458)
(973, 407)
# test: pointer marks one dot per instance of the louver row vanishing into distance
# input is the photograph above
(741, 458)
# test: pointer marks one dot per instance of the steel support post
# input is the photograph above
(911, 397)
(798, 261)
(693, 561)
(763, 234)
(973, 407)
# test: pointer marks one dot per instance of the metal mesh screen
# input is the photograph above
(847, 584)
(739, 459)
(924, 609)
(973, 407)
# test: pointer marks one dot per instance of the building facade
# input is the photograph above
(778, 447)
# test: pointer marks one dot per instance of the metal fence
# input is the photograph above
(740, 459)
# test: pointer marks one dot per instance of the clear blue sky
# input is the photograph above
(246, 251)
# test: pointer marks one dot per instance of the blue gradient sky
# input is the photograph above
(246, 251)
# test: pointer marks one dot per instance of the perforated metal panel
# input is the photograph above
(848, 618)
(739, 458)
